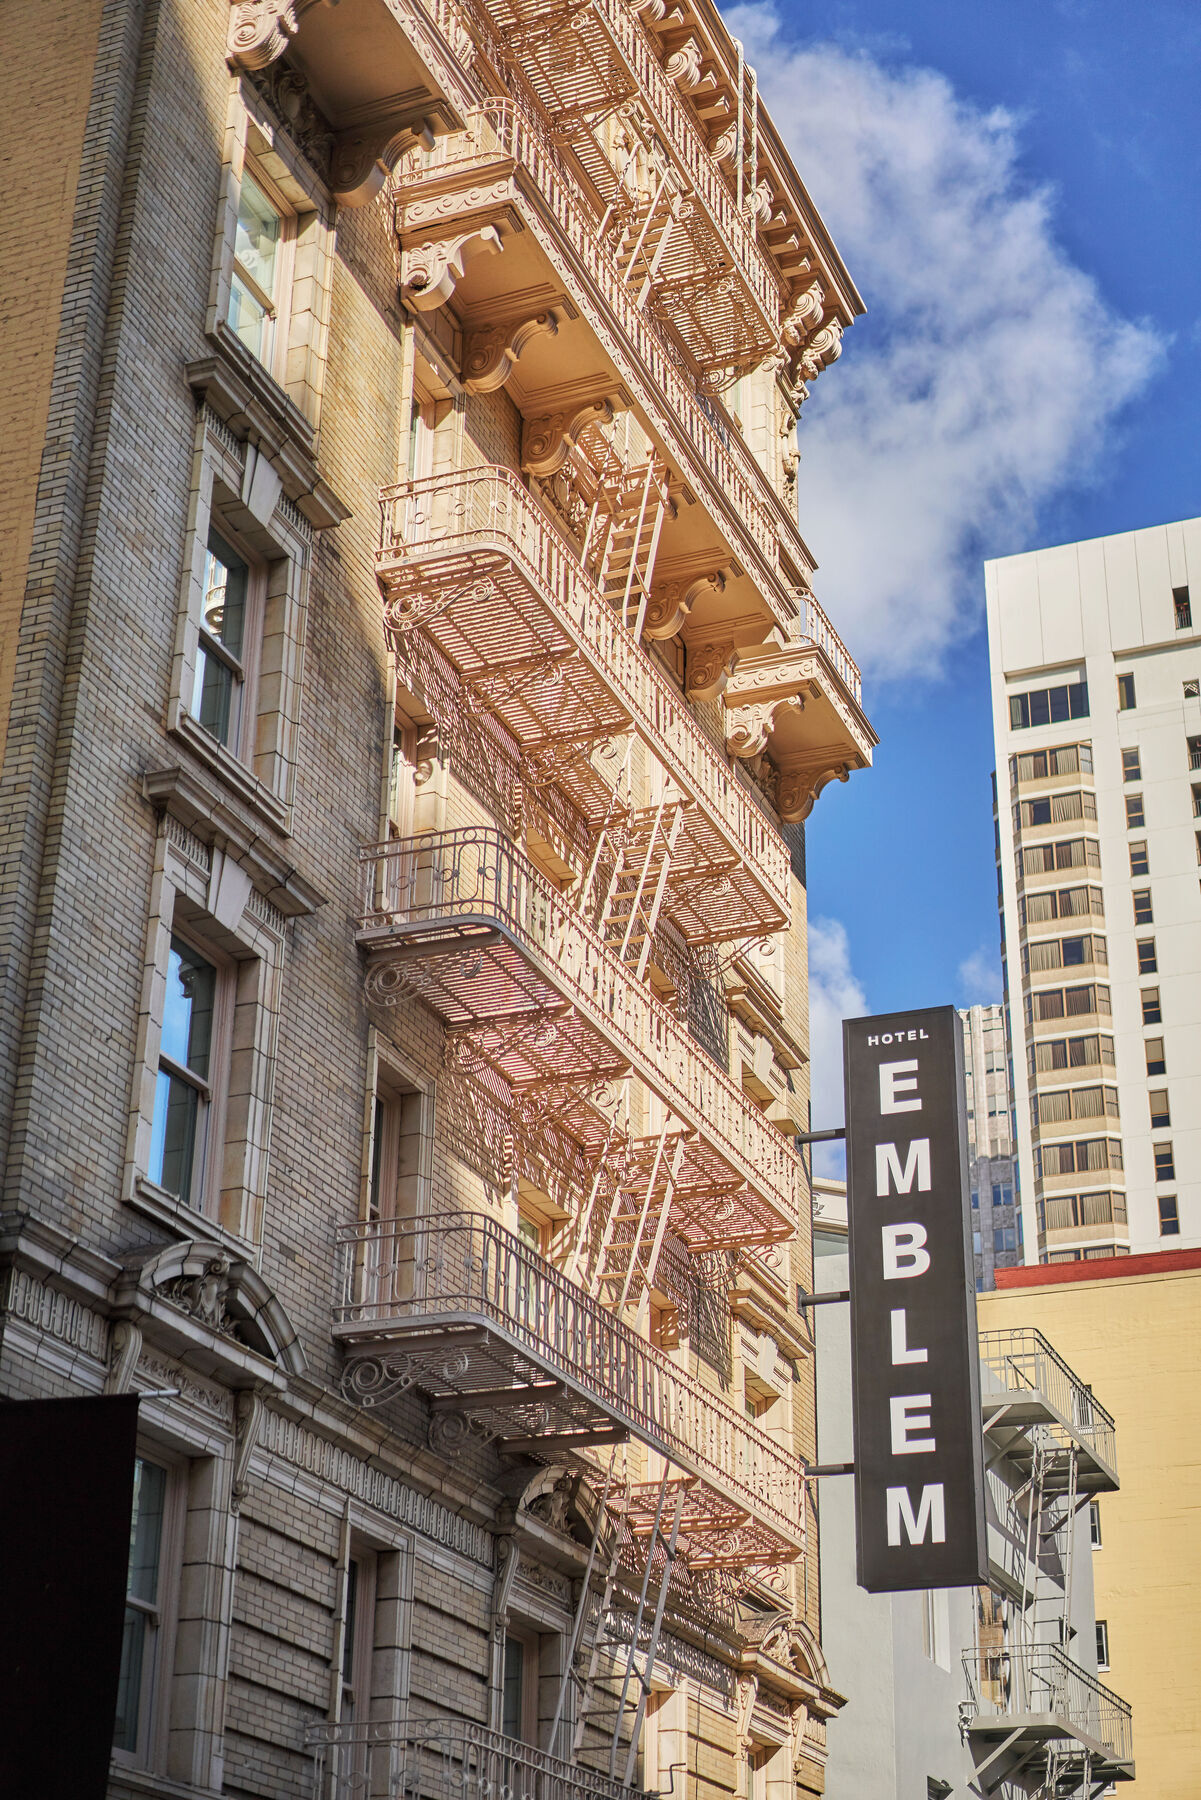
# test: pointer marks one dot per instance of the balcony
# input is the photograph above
(486, 1327)
(463, 920)
(1025, 1384)
(801, 705)
(503, 166)
(384, 1759)
(472, 561)
(1027, 1700)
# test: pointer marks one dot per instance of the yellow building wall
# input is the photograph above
(1135, 1341)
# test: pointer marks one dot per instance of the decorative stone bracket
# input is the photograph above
(547, 440)
(260, 31)
(491, 354)
(672, 601)
(365, 155)
(430, 272)
(787, 698)
(202, 1300)
(708, 670)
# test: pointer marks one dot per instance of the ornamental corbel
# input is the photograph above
(797, 790)
(672, 601)
(430, 272)
(683, 66)
(547, 440)
(807, 313)
(823, 348)
(248, 1417)
(260, 31)
(748, 727)
(491, 355)
(708, 669)
(724, 144)
(364, 156)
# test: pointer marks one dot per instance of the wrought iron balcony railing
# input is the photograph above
(721, 463)
(1039, 1687)
(432, 1278)
(445, 889)
(487, 512)
(1026, 1382)
(395, 1759)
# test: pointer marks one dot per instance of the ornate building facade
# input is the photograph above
(412, 696)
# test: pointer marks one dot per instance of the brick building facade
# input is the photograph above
(412, 694)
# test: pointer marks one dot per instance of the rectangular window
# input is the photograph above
(1169, 1216)
(1136, 818)
(1147, 964)
(519, 1693)
(259, 290)
(1126, 698)
(1131, 766)
(358, 1636)
(1004, 1240)
(1094, 1523)
(1198, 837)
(1065, 759)
(1196, 800)
(183, 1096)
(1161, 1113)
(1192, 689)
(1139, 864)
(397, 1148)
(229, 631)
(1143, 914)
(1156, 1061)
(1165, 1162)
(1152, 1014)
(1182, 607)
(142, 1643)
(1048, 706)
(1102, 1644)
(1194, 752)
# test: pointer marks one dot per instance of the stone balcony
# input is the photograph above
(800, 706)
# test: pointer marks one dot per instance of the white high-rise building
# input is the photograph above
(1096, 682)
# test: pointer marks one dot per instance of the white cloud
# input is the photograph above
(980, 978)
(992, 371)
(834, 995)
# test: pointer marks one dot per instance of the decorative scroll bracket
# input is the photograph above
(547, 441)
(708, 669)
(491, 355)
(365, 155)
(260, 31)
(672, 601)
(430, 272)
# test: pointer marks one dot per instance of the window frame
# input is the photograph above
(1144, 911)
(154, 1708)
(1127, 697)
(1164, 1160)
(214, 1090)
(1136, 812)
(1159, 1103)
(1167, 1207)
(1140, 862)
(241, 742)
(1182, 607)
(1148, 959)
(279, 308)
(1132, 767)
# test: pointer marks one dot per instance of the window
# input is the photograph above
(1196, 800)
(1001, 1194)
(1004, 1240)
(1055, 809)
(1070, 1003)
(1065, 759)
(1071, 1053)
(144, 1646)
(1072, 853)
(1161, 1115)
(1078, 1158)
(1063, 953)
(1131, 766)
(1169, 1216)
(260, 288)
(183, 1096)
(398, 1148)
(1194, 752)
(358, 1636)
(1136, 818)
(977, 1243)
(1126, 698)
(1102, 1644)
(1147, 964)
(1094, 1523)
(1165, 1162)
(1074, 1103)
(1198, 837)
(1182, 607)
(1047, 706)
(519, 1692)
(222, 699)
(1156, 1061)
(1139, 865)
(1143, 914)
(1151, 1009)
(1192, 689)
(1068, 1212)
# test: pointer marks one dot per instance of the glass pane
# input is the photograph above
(260, 230)
(129, 1686)
(225, 578)
(511, 1709)
(173, 1136)
(214, 696)
(146, 1530)
(188, 1014)
(249, 320)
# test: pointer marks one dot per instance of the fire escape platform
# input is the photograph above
(465, 922)
(472, 562)
(483, 1326)
(1025, 1384)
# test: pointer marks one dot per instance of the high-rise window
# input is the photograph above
(1048, 706)
(1165, 1162)
(219, 691)
(1126, 698)
(1169, 1215)
(1194, 752)
(183, 1093)
(1161, 1113)
(1152, 1012)
(1143, 914)
(1147, 963)
(1094, 1523)
(1139, 863)
(1182, 607)
(1156, 1062)
(1132, 768)
(1192, 688)
(1136, 818)
(1102, 1644)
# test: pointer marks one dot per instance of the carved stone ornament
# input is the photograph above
(683, 66)
(823, 348)
(364, 157)
(248, 1416)
(672, 601)
(491, 355)
(546, 441)
(215, 1289)
(260, 31)
(806, 315)
(707, 670)
(724, 144)
(797, 789)
(430, 272)
(287, 94)
(748, 727)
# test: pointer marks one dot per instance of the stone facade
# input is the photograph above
(351, 1584)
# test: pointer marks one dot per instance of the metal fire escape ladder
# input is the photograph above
(586, 1605)
(632, 544)
(667, 1544)
(639, 882)
(622, 1264)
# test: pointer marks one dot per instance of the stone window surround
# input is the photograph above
(155, 1700)
(252, 131)
(215, 878)
(383, 1057)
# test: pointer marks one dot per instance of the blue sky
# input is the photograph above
(1015, 189)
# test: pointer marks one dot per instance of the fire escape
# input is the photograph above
(1039, 1723)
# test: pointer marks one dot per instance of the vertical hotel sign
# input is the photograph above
(919, 1485)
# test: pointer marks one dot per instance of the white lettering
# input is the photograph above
(917, 1163)
(931, 1514)
(873, 1040)
(898, 1078)
(906, 1419)
(901, 1353)
(904, 1254)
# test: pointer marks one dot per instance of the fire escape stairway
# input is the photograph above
(631, 543)
(638, 881)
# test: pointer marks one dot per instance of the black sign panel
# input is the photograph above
(919, 1485)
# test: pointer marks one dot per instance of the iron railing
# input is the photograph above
(721, 459)
(486, 506)
(1021, 1361)
(397, 1271)
(415, 886)
(1041, 1681)
(444, 1760)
